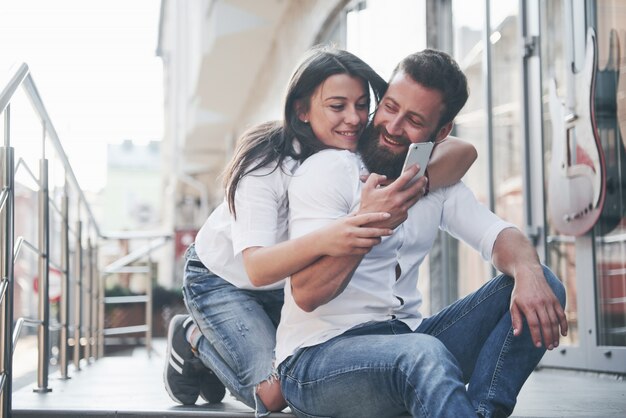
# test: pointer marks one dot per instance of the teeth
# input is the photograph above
(391, 141)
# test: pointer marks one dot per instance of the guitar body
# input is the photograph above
(606, 111)
(577, 183)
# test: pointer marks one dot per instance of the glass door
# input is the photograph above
(584, 91)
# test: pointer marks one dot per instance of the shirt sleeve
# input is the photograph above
(465, 218)
(257, 203)
(322, 190)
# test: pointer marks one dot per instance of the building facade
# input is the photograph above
(547, 114)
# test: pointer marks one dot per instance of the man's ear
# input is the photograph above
(444, 131)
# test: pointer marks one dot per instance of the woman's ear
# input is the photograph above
(302, 111)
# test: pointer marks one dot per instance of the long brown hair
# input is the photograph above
(271, 142)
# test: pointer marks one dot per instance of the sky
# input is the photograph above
(94, 63)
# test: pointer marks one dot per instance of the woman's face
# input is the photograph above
(338, 111)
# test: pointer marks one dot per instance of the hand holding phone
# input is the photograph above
(418, 153)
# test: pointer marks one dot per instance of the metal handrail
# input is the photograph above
(22, 163)
(22, 242)
(35, 98)
(12, 86)
(18, 327)
(4, 195)
(80, 274)
(135, 255)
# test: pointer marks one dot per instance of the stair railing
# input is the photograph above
(63, 210)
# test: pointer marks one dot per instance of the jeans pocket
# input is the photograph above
(196, 266)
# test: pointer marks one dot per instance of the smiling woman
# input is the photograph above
(338, 111)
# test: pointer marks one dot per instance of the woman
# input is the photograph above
(233, 282)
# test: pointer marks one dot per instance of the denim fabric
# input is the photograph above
(384, 369)
(239, 328)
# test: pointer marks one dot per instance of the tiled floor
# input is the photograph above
(132, 386)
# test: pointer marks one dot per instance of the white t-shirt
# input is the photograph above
(262, 208)
(326, 187)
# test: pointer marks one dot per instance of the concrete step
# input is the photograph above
(129, 386)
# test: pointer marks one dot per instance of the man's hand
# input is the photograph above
(534, 299)
(395, 198)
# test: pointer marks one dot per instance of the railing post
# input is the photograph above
(78, 258)
(64, 302)
(43, 334)
(149, 291)
(7, 239)
(88, 301)
(101, 294)
(95, 306)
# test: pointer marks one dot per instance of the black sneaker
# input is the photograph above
(212, 390)
(180, 374)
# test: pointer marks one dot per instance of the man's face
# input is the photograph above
(408, 113)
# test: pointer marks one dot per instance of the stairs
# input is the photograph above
(124, 386)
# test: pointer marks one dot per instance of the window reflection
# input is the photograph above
(505, 79)
(471, 125)
(610, 231)
(561, 255)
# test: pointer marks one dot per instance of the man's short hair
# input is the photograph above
(438, 70)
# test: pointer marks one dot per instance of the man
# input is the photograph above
(352, 341)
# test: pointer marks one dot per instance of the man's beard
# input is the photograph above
(377, 158)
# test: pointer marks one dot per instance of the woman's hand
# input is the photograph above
(395, 198)
(350, 236)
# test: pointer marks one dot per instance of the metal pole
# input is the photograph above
(43, 334)
(6, 261)
(95, 303)
(78, 258)
(101, 278)
(88, 300)
(489, 104)
(149, 306)
(64, 303)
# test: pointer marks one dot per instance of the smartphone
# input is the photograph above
(419, 153)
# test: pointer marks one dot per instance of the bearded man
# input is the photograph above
(352, 341)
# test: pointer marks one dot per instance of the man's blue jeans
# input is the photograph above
(239, 329)
(384, 369)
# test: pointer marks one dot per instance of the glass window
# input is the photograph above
(382, 32)
(560, 248)
(506, 99)
(471, 125)
(610, 231)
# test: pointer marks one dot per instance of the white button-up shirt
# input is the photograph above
(326, 187)
(262, 215)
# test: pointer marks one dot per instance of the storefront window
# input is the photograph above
(471, 125)
(560, 248)
(590, 150)
(506, 100)
(610, 230)
(382, 32)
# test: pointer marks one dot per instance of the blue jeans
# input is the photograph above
(384, 369)
(239, 328)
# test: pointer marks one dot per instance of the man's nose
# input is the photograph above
(394, 127)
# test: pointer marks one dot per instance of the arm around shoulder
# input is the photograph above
(450, 161)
